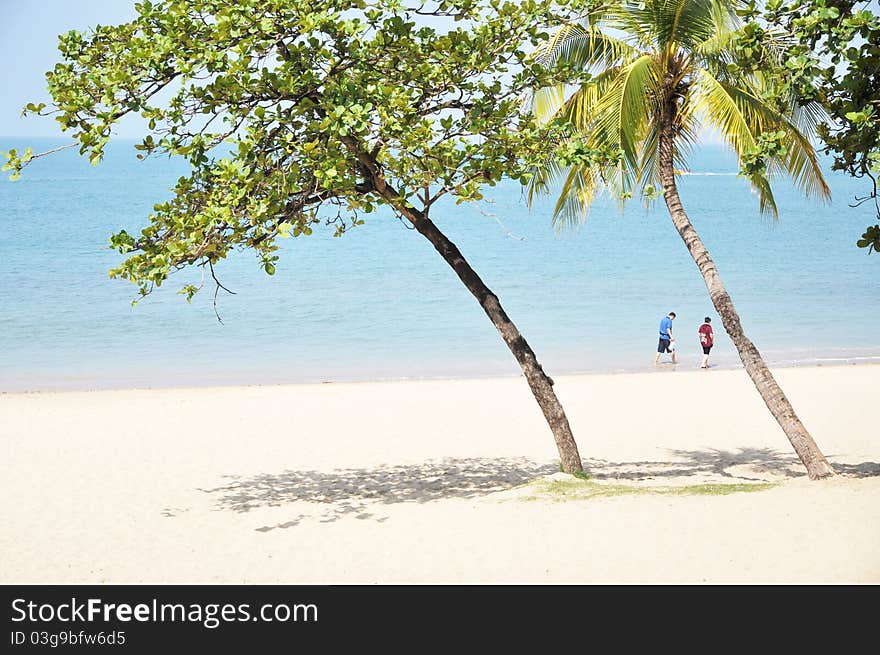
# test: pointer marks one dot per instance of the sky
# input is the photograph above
(29, 32)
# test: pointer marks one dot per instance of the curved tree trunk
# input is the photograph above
(541, 385)
(539, 382)
(814, 461)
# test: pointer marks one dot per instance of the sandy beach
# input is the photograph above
(426, 482)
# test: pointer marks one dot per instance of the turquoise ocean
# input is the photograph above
(379, 303)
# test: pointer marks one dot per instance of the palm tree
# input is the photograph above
(659, 71)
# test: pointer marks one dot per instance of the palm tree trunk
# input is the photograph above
(813, 459)
(539, 382)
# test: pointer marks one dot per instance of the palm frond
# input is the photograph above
(623, 113)
(629, 19)
(547, 102)
(806, 117)
(585, 47)
(800, 161)
(737, 124)
(674, 24)
(716, 52)
(638, 54)
(575, 197)
(580, 108)
(766, 201)
(685, 22)
(649, 164)
(542, 179)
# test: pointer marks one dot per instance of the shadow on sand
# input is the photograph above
(358, 491)
(743, 465)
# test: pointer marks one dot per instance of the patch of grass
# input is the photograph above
(720, 489)
(584, 488)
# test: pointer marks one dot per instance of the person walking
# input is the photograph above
(706, 340)
(667, 341)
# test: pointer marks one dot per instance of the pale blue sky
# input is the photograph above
(29, 32)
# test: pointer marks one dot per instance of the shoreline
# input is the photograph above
(663, 367)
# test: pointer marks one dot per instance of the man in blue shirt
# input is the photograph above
(667, 341)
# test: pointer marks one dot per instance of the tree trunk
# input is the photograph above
(540, 384)
(814, 461)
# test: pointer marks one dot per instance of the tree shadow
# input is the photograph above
(360, 492)
(742, 465)
(357, 491)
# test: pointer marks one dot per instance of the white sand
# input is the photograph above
(405, 482)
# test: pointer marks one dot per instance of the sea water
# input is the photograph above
(380, 303)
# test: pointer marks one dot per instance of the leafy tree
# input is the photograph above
(832, 58)
(330, 109)
(660, 69)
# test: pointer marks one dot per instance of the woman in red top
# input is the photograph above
(706, 341)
